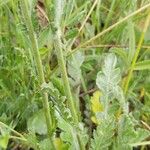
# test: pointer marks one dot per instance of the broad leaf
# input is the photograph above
(45, 145)
(70, 134)
(74, 65)
(37, 123)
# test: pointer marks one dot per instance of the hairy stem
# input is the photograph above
(39, 66)
(62, 65)
(61, 60)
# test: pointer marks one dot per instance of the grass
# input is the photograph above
(74, 74)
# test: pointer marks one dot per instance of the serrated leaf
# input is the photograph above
(103, 135)
(128, 135)
(109, 76)
(58, 84)
(107, 81)
(70, 133)
(109, 63)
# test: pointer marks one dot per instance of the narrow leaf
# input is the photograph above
(142, 65)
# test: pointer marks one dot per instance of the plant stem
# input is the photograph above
(48, 3)
(85, 20)
(88, 15)
(83, 45)
(62, 65)
(14, 131)
(39, 66)
(136, 54)
(61, 60)
(108, 29)
(18, 138)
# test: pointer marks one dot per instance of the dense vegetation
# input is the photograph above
(74, 74)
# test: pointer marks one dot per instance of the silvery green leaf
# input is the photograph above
(45, 145)
(37, 123)
(101, 81)
(109, 63)
(102, 138)
(128, 135)
(109, 77)
(118, 93)
(70, 133)
(74, 64)
(108, 82)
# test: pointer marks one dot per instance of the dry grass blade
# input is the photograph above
(110, 28)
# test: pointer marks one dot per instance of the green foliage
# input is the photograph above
(70, 133)
(103, 135)
(37, 123)
(74, 71)
(143, 65)
(74, 74)
(127, 134)
(108, 82)
(4, 141)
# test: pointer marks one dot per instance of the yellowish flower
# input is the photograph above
(59, 145)
(96, 106)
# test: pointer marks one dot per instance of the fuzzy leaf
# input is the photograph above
(37, 123)
(45, 145)
(103, 135)
(74, 65)
(128, 135)
(69, 133)
(109, 77)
